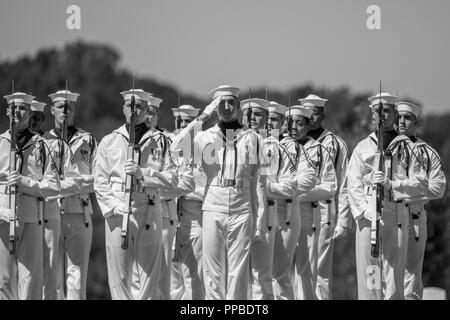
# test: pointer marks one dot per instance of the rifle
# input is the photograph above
(129, 177)
(377, 201)
(64, 139)
(178, 117)
(13, 188)
(249, 109)
(289, 129)
(266, 125)
(289, 120)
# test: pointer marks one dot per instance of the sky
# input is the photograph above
(196, 45)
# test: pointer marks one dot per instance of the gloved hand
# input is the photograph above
(339, 232)
(132, 167)
(380, 177)
(122, 209)
(368, 215)
(14, 178)
(259, 235)
(209, 109)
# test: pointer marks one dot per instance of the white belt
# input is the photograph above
(120, 187)
(236, 183)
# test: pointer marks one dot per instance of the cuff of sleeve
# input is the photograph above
(146, 172)
(25, 181)
(342, 223)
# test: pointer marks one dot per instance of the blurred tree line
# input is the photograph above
(94, 71)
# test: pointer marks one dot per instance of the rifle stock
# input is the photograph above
(376, 206)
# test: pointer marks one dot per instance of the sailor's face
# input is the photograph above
(57, 111)
(275, 121)
(406, 123)
(21, 115)
(389, 115)
(300, 127)
(151, 117)
(185, 121)
(258, 119)
(140, 110)
(36, 120)
(317, 117)
(227, 109)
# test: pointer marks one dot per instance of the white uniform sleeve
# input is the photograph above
(356, 194)
(436, 179)
(281, 184)
(258, 190)
(103, 191)
(344, 213)
(326, 187)
(88, 179)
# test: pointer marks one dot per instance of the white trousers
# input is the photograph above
(133, 273)
(52, 232)
(21, 275)
(74, 248)
(382, 278)
(286, 238)
(262, 266)
(226, 255)
(414, 258)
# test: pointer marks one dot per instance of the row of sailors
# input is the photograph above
(222, 229)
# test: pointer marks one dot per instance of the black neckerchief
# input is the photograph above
(139, 131)
(413, 139)
(229, 125)
(388, 137)
(70, 132)
(22, 137)
(302, 141)
(315, 134)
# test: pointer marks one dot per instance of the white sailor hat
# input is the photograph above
(37, 106)
(61, 95)
(277, 108)
(384, 97)
(255, 103)
(139, 94)
(185, 111)
(410, 107)
(154, 101)
(19, 97)
(224, 90)
(313, 100)
(299, 110)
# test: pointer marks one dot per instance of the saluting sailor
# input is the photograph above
(335, 213)
(426, 159)
(235, 198)
(143, 257)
